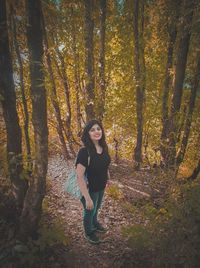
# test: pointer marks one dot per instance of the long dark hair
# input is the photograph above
(86, 137)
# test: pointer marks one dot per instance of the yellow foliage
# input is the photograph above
(114, 192)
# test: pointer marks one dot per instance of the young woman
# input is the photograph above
(95, 153)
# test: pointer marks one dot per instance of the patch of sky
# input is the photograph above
(61, 47)
(57, 3)
(120, 6)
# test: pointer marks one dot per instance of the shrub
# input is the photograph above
(172, 233)
(114, 192)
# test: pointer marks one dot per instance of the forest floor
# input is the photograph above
(131, 187)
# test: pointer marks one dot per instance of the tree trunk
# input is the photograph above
(77, 79)
(139, 68)
(53, 94)
(195, 172)
(102, 84)
(64, 78)
(166, 88)
(180, 67)
(8, 99)
(22, 87)
(89, 60)
(33, 201)
(188, 122)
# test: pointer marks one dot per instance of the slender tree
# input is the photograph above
(102, 83)
(172, 32)
(8, 99)
(180, 67)
(64, 78)
(33, 201)
(195, 172)
(76, 75)
(188, 121)
(139, 72)
(53, 94)
(22, 87)
(89, 59)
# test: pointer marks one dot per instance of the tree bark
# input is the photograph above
(180, 67)
(33, 201)
(89, 60)
(139, 68)
(195, 172)
(22, 87)
(166, 89)
(102, 84)
(77, 78)
(8, 99)
(188, 122)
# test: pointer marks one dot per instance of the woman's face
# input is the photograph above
(95, 132)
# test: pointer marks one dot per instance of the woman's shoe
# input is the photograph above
(92, 238)
(100, 228)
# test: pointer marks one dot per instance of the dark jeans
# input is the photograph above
(90, 216)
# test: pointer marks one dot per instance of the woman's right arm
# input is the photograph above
(80, 171)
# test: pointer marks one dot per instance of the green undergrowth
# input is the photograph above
(40, 252)
(168, 236)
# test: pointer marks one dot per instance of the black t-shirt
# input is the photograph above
(97, 171)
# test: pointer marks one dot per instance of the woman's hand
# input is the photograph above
(89, 204)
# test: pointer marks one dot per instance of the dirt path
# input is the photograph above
(80, 252)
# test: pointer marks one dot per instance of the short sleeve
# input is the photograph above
(82, 157)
